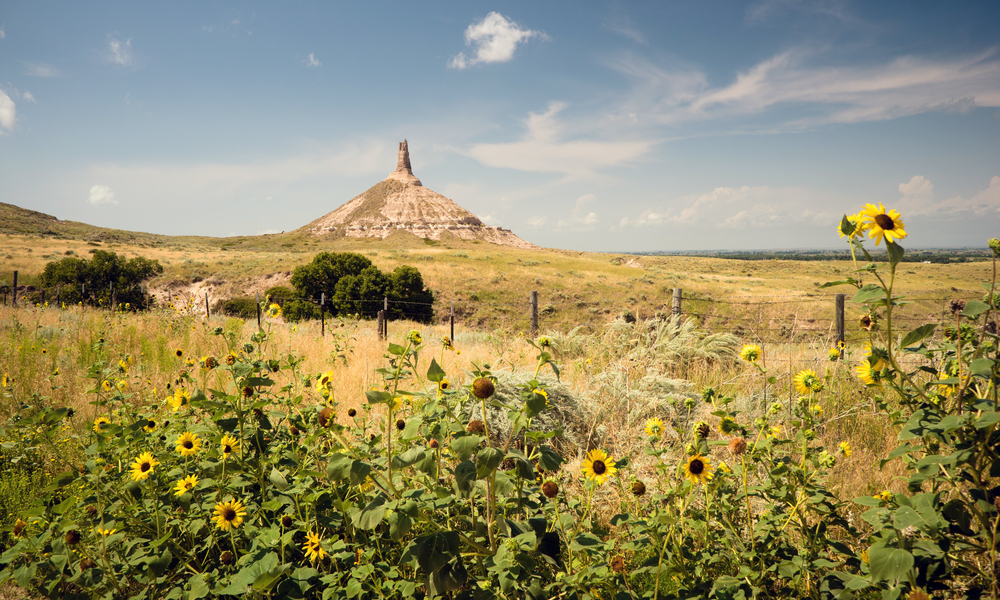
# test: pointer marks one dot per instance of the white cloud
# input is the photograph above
(625, 27)
(537, 221)
(270, 232)
(744, 207)
(311, 61)
(8, 112)
(27, 96)
(580, 219)
(101, 194)
(765, 9)
(494, 40)
(904, 86)
(491, 220)
(3, 33)
(120, 53)
(918, 201)
(542, 149)
(40, 70)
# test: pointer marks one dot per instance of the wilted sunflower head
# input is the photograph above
(483, 388)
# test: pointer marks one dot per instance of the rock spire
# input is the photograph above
(404, 172)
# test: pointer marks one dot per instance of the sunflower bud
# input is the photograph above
(701, 430)
(638, 488)
(72, 537)
(475, 426)
(400, 424)
(433, 444)
(286, 521)
(618, 564)
(226, 558)
(325, 417)
(87, 564)
(352, 413)
(91, 510)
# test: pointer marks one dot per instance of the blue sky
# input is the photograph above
(591, 126)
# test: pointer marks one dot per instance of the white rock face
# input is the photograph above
(402, 202)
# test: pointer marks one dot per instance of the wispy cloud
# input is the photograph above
(624, 26)
(3, 33)
(8, 111)
(40, 70)
(767, 9)
(544, 149)
(581, 218)
(101, 194)
(27, 96)
(918, 200)
(494, 40)
(904, 86)
(119, 52)
(311, 61)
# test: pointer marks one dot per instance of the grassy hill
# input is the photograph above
(489, 284)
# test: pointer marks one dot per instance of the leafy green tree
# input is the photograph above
(326, 269)
(408, 298)
(363, 293)
(78, 279)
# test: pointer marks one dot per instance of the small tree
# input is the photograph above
(326, 269)
(106, 269)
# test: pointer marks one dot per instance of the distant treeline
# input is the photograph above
(918, 256)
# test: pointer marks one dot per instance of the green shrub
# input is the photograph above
(241, 306)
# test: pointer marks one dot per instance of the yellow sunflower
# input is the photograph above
(834, 354)
(229, 445)
(274, 310)
(142, 468)
(229, 514)
(122, 385)
(313, 550)
(179, 399)
(857, 220)
(101, 424)
(150, 426)
(845, 448)
(807, 382)
(881, 223)
(185, 485)
(750, 353)
(654, 426)
(599, 467)
(188, 444)
(698, 469)
(866, 373)
(106, 385)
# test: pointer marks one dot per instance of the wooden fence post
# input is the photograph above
(42, 303)
(381, 323)
(533, 299)
(675, 306)
(208, 313)
(258, 310)
(13, 298)
(322, 316)
(452, 318)
(839, 303)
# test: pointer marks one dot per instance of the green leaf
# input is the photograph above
(982, 367)
(464, 446)
(396, 349)
(465, 477)
(889, 564)
(918, 334)
(974, 308)
(267, 580)
(895, 252)
(24, 574)
(199, 587)
(278, 480)
(548, 458)
(848, 281)
(487, 460)
(435, 373)
(846, 228)
(158, 564)
(868, 293)
(376, 397)
(399, 525)
(987, 419)
(370, 516)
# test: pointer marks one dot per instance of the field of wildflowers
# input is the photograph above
(210, 461)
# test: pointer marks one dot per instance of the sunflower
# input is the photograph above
(230, 359)
(598, 466)
(447, 344)
(857, 220)
(881, 223)
(150, 426)
(5, 381)
(101, 530)
(188, 444)
(208, 362)
(415, 338)
(229, 514)
(750, 353)
(313, 550)
(101, 424)
(443, 384)
(123, 366)
(698, 469)
(179, 399)
(845, 448)
(185, 485)
(179, 353)
(834, 354)
(142, 468)
(865, 372)
(106, 385)
(879, 354)
(654, 426)
(229, 445)
(274, 310)
(122, 385)
(807, 382)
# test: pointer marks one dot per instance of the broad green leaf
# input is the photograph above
(399, 525)
(982, 367)
(376, 397)
(888, 564)
(370, 516)
(918, 334)
(868, 293)
(974, 308)
(435, 373)
(199, 587)
(396, 349)
(846, 228)
(987, 419)
(548, 458)
(464, 446)
(158, 564)
(487, 460)
(465, 477)
(848, 281)
(895, 252)
(278, 480)
(268, 579)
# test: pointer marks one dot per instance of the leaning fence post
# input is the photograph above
(13, 298)
(322, 317)
(839, 303)
(533, 299)
(452, 337)
(208, 313)
(675, 306)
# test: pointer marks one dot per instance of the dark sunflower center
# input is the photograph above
(599, 467)
(229, 514)
(188, 445)
(145, 467)
(884, 221)
(151, 424)
(696, 467)
(227, 449)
